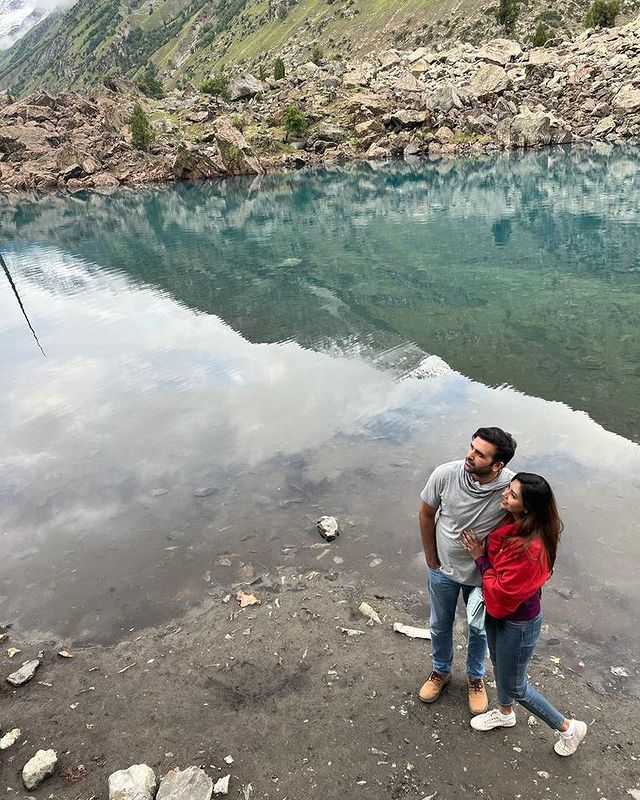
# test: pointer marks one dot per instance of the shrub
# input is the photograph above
(602, 14)
(278, 69)
(507, 14)
(317, 54)
(540, 36)
(217, 85)
(262, 73)
(141, 131)
(294, 121)
(150, 83)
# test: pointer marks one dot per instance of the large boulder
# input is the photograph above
(489, 79)
(407, 82)
(370, 102)
(362, 75)
(327, 132)
(246, 86)
(534, 129)
(406, 118)
(444, 99)
(627, 99)
(191, 783)
(193, 163)
(235, 152)
(539, 57)
(499, 51)
(17, 140)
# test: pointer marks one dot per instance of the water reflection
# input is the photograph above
(519, 270)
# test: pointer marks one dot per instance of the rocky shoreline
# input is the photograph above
(424, 102)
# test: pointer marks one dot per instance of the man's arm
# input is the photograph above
(427, 517)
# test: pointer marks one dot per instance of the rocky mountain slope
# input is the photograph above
(189, 39)
(399, 103)
(17, 17)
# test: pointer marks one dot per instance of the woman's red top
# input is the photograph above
(512, 575)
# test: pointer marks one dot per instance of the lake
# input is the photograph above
(225, 362)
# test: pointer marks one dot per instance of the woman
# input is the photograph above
(518, 562)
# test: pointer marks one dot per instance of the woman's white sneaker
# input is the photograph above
(493, 719)
(567, 745)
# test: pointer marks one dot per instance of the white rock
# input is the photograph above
(136, 783)
(411, 631)
(367, 611)
(187, 784)
(627, 99)
(11, 737)
(25, 673)
(222, 785)
(328, 528)
(490, 79)
(500, 51)
(38, 768)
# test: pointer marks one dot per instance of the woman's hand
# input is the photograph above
(472, 544)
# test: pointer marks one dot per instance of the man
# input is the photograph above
(461, 495)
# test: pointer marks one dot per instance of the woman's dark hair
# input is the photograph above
(541, 518)
(504, 442)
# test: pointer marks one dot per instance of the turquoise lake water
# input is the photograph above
(226, 361)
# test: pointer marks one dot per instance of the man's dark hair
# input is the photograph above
(504, 442)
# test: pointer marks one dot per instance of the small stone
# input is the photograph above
(11, 737)
(38, 768)
(328, 528)
(205, 491)
(24, 674)
(136, 783)
(366, 610)
(191, 783)
(222, 785)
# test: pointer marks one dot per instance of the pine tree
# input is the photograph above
(141, 131)
(507, 14)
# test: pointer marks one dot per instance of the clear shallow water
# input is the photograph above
(226, 362)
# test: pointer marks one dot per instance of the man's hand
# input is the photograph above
(434, 564)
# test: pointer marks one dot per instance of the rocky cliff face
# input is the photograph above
(398, 103)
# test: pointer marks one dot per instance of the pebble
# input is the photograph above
(222, 785)
(38, 768)
(11, 737)
(25, 673)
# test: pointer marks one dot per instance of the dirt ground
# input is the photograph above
(304, 709)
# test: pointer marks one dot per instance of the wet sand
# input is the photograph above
(304, 709)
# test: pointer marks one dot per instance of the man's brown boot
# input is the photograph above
(433, 686)
(478, 699)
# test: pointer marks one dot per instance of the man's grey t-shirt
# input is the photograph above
(463, 504)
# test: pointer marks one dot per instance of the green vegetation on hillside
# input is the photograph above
(189, 40)
(602, 14)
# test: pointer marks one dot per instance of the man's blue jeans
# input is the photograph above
(511, 645)
(443, 596)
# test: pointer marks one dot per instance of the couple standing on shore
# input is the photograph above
(484, 525)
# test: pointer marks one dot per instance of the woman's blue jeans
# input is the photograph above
(511, 645)
(443, 598)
